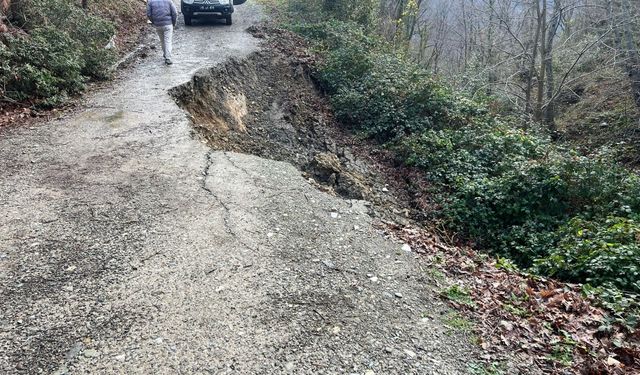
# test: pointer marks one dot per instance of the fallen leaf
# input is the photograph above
(613, 362)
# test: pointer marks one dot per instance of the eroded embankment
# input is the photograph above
(267, 105)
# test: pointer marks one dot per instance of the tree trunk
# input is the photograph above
(532, 62)
(633, 63)
(549, 110)
(412, 21)
(614, 22)
(465, 50)
(542, 17)
(399, 10)
(492, 78)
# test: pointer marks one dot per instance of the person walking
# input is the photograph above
(163, 15)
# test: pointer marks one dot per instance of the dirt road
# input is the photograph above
(127, 246)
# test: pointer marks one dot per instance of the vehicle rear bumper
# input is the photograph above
(205, 9)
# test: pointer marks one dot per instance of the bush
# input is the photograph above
(63, 48)
(378, 92)
(512, 192)
(605, 252)
(45, 65)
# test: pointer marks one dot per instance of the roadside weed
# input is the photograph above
(460, 295)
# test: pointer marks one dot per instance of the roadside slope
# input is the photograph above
(127, 246)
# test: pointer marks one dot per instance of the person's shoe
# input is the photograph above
(168, 61)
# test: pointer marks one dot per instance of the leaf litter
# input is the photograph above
(551, 322)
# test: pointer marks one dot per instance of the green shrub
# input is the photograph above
(378, 92)
(5, 68)
(487, 149)
(605, 252)
(64, 46)
(511, 192)
(92, 33)
(45, 65)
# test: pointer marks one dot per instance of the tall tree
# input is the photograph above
(542, 21)
(552, 29)
(533, 57)
(633, 63)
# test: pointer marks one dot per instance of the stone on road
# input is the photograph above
(127, 246)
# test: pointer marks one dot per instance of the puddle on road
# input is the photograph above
(116, 119)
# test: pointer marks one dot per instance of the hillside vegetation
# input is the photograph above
(508, 188)
(53, 47)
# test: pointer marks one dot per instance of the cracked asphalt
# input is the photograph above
(127, 246)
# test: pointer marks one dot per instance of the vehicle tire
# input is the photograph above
(187, 20)
(229, 20)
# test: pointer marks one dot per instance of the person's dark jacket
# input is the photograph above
(162, 12)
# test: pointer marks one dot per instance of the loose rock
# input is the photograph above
(289, 366)
(91, 353)
(410, 353)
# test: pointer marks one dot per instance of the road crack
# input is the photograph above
(229, 228)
